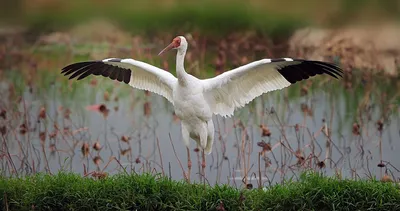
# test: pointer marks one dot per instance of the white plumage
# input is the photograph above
(236, 88)
(147, 77)
(196, 100)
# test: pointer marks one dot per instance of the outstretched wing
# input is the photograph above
(234, 89)
(135, 73)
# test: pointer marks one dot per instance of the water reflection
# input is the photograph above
(348, 130)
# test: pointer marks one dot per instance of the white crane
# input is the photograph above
(196, 100)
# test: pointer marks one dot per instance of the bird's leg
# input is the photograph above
(189, 164)
(203, 144)
(185, 138)
(203, 164)
(198, 160)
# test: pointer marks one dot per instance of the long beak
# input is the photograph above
(169, 47)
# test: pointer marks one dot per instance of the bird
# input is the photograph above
(196, 100)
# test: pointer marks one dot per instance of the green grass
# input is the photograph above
(68, 191)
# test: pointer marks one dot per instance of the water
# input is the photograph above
(327, 107)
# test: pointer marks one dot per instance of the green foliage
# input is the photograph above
(209, 17)
(68, 191)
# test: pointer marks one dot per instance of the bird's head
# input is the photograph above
(178, 43)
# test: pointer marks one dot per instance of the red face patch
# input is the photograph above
(176, 42)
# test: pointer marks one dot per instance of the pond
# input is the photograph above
(348, 127)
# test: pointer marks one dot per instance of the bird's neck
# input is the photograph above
(180, 69)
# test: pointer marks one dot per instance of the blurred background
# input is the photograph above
(348, 127)
(265, 16)
(272, 25)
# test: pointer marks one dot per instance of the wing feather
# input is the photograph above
(135, 73)
(236, 88)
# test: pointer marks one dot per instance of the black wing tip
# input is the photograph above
(77, 65)
(307, 68)
(330, 68)
(80, 64)
(302, 69)
(83, 69)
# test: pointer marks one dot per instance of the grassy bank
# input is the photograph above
(67, 191)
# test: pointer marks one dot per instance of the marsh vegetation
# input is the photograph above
(97, 128)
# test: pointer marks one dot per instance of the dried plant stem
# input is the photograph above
(161, 160)
(259, 171)
(46, 160)
(243, 148)
(380, 151)
(179, 161)
(9, 156)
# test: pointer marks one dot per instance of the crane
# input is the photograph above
(196, 100)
